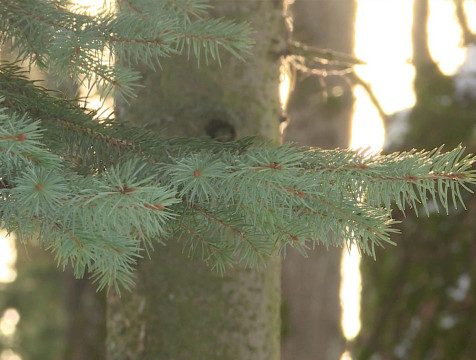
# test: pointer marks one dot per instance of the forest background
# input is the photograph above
(430, 270)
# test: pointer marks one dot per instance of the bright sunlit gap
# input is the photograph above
(9, 354)
(284, 84)
(389, 71)
(470, 8)
(386, 53)
(350, 292)
(346, 356)
(93, 7)
(284, 91)
(8, 257)
(444, 36)
(92, 97)
(8, 322)
(383, 41)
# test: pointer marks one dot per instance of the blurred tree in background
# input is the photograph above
(319, 111)
(60, 317)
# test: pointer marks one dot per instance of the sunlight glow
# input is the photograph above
(92, 7)
(388, 53)
(367, 127)
(470, 8)
(91, 96)
(284, 91)
(346, 356)
(8, 257)
(284, 84)
(9, 321)
(444, 36)
(9, 355)
(351, 284)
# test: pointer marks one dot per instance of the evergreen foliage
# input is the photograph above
(101, 193)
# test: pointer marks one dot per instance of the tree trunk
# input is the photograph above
(421, 50)
(179, 308)
(312, 313)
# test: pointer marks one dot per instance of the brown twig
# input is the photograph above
(155, 41)
(325, 56)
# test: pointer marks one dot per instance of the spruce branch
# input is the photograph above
(265, 196)
(196, 8)
(275, 195)
(100, 193)
(79, 46)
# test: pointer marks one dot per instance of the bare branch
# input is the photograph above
(356, 79)
(468, 36)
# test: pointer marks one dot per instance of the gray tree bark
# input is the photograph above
(421, 50)
(179, 308)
